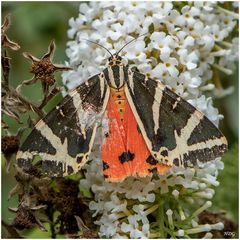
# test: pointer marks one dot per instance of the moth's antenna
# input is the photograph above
(129, 43)
(98, 45)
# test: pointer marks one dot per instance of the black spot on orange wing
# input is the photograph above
(126, 156)
(153, 170)
(105, 166)
(151, 160)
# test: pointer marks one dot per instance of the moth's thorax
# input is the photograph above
(116, 75)
(119, 98)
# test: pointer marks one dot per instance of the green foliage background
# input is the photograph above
(34, 25)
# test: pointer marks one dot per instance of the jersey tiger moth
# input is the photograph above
(150, 128)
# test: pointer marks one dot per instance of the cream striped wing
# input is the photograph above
(64, 138)
(175, 132)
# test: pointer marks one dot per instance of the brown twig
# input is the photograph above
(5, 67)
(48, 97)
(25, 102)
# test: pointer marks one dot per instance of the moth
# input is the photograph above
(149, 128)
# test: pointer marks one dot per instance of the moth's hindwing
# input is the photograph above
(175, 132)
(124, 151)
(64, 138)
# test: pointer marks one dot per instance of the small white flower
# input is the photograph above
(184, 40)
(166, 70)
(188, 59)
(227, 21)
(175, 193)
(87, 11)
(114, 35)
(174, 20)
(206, 42)
(159, 72)
(160, 15)
(114, 201)
(211, 180)
(180, 233)
(136, 52)
(169, 212)
(170, 66)
(140, 190)
(190, 14)
(164, 183)
(202, 185)
(205, 5)
(133, 228)
(108, 225)
(74, 24)
(231, 56)
(217, 33)
(163, 43)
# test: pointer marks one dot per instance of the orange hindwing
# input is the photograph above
(124, 151)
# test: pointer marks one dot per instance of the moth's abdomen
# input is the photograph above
(119, 98)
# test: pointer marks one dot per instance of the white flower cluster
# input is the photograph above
(124, 208)
(186, 43)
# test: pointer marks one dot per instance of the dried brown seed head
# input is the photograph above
(44, 69)
(24, 219)
(10, 144)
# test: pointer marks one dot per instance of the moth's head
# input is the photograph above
(115, 60)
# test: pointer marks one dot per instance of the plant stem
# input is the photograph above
(223, 69)
(233, 14)
(160, 218)
(31, 106)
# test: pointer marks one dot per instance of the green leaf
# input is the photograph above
(226, 196)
